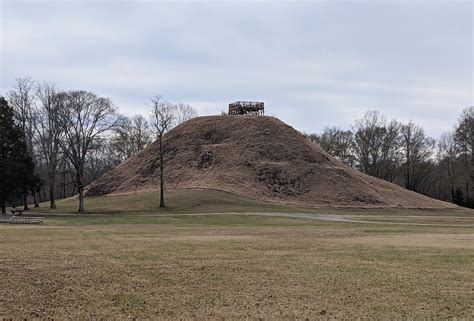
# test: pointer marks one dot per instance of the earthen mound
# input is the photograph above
(258, 157)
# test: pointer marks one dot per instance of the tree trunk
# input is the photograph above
(2, 201)
(81, 198)
(162, 183)
(52, 196)
(80, 190)
(407, 178)
(25, 202)
(467, 198)
(64, 184)
(35, 196)
(471, 174)
(14, 199)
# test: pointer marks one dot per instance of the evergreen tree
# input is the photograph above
(458, 198)
(16, 165)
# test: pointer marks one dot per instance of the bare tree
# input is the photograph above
(367, 132)
(403, 154)
(338, 143)
(49, 133)
(22, 98)
(131, 135)
(377, 145)
(417, 148)
(163, 114)
(99, 159)
(464, 137)
(407, 133)
(140, 133)
(184, 113)
(84, 117)
(447, 155)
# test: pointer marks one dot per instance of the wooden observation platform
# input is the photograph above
(247, 108)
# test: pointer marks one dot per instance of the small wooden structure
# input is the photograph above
(247, 108)
(21, 220)
(25, 220)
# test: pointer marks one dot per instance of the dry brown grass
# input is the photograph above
(234, 266)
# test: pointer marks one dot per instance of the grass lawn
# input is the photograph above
(153, 265)
(177, 201)
(209, 201)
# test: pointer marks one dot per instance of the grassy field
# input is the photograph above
(177, 201)
(208, 201)
(152, 264)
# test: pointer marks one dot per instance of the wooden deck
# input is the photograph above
(247, 108)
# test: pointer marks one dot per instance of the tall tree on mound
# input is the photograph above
(16, 165)
(163, 115)
(84, 118)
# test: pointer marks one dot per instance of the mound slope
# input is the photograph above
(258, 157)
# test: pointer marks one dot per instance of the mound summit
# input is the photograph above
(258, 157)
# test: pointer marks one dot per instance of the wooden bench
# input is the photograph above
(25, 220)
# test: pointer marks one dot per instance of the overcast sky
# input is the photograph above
(313, 63)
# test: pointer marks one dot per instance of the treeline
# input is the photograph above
(72, 137)
(55, 142)
(402, 153)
